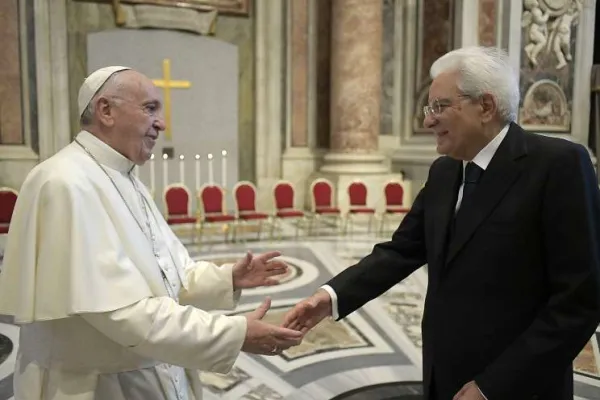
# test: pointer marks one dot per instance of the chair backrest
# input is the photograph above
(245, 196)
(211, 199)
(177, 200)
(394, 194)
(357, 194)
(8, 200)
(283, 192)
(322, 193)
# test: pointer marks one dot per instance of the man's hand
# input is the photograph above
(308, 313)
(469, 392)
(253, 271)
(263, 338)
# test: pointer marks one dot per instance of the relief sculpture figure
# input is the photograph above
(535, 20)
(561, 33)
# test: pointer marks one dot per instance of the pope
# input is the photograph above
(111, 306)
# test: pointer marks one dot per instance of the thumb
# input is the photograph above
(248, 259)
(260, 312)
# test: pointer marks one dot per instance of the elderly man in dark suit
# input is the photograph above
(508, 224)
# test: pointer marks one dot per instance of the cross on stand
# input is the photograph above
(167, 84)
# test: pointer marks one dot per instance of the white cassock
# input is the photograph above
(110, 303)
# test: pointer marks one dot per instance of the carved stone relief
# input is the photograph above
(548, 40)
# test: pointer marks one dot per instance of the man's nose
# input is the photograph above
(159, 124)
(429, 121)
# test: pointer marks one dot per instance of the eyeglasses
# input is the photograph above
(439, 105)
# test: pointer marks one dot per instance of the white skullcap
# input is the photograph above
(93, 83)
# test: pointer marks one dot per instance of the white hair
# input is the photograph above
(483, 70)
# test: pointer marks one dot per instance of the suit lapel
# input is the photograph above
(499, 176)
(445, 196)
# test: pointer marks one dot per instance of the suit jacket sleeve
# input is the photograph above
(389, 263)
(570, 225)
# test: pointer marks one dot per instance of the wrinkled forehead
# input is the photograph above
(443, 86)
(143, 89)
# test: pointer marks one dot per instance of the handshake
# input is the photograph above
(264, 338)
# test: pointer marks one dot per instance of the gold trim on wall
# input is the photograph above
(231, 7)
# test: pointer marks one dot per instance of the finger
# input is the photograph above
(260, 312)
(460, 393)
(277, 270)
(276, 264)
(248, 259)
(264, 257)
(271, 282)
(285, 333)
(286, 344)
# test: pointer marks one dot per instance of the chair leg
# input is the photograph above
(272, 232)
(200, 232)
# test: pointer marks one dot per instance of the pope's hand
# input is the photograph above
(470, 391)
(263, 338)
(309, 312)
(253, 271)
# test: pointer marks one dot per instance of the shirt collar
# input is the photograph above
(105, 154)
(484, 157)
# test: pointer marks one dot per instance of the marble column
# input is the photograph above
(356, 55)
(355, 107)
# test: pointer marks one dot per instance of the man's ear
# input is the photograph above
(104, 111)
(489, 106)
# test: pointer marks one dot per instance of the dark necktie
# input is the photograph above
(472, 174)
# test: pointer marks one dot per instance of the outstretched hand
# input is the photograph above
(309, 312)
(254, 271)
(266, 339)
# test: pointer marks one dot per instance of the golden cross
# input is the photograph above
(167, 84)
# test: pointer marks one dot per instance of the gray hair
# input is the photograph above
(483, 70)
(114, 85)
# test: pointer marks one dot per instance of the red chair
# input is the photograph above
(394, 202)
(8, 200)
(323, 205)
(283, 195)
(244, 194)
(177, 199)
(211, 200)
(357, 198)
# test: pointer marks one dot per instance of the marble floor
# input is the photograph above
(375, 353)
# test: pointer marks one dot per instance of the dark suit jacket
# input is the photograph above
(513, 296)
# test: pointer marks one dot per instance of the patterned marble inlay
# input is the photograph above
(262, 392)
(587, 362)
(404, 304)
(327, 336)
(220, 383)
